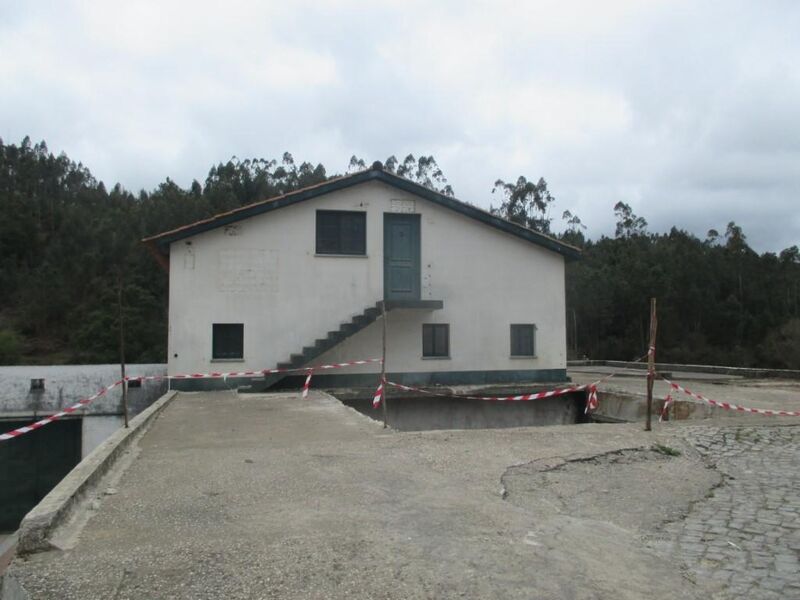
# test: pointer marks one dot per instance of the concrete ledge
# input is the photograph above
(7, 548)
(747, 372)
(413, 304)
(630, 407)
(627, 407)
(38, 525)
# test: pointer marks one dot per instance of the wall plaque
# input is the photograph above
(402, 206)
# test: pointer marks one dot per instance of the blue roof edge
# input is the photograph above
(162, 241)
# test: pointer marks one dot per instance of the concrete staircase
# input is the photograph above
(321, 345)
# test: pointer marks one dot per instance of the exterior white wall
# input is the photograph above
(263, 272)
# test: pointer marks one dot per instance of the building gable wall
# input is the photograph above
(263, 272)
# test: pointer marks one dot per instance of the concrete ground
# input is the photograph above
(270, 496)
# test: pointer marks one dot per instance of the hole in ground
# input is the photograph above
(430, 412)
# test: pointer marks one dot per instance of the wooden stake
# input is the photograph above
(383, 367)
(122, 350)
(651, 363)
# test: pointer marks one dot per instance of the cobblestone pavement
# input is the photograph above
(744, 539)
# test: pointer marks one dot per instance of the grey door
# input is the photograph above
(401, 257)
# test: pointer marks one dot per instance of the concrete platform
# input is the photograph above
(623, 373)
(756, 393)
(271, 496)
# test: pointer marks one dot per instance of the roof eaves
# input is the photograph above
(486, 217)
(163, 240)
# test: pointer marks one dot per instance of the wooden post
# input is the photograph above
(383, 367)
(651, 364)
(122, 350)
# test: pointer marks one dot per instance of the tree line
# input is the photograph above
(71, 264)
(719, 302)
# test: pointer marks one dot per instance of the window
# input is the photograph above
(228, 340)
(436, 341)
(341, 232)
(523, 340)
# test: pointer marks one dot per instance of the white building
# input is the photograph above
(298, 279)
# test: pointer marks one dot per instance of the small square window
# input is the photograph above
(341, 232)
(228, 340)
(436, 340)
(523, 340)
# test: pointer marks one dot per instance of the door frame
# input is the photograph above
(416, 221)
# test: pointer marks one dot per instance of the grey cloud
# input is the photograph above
(685, 110)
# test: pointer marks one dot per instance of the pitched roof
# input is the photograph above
(159, 244)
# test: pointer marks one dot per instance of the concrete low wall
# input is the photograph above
(57, 507)
(370, 380)
(624, 406)
(66, 384)
(630, 407)
(8, 546)
(750, 373)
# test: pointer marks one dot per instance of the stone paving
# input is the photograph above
(744, 539)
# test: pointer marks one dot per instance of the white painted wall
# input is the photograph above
(263, 272)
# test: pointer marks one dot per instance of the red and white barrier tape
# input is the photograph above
(591, 401)
(730, 406)
(41, 423)
(213, 375)
(307, 383)
(665, 409)
(216, 375)
(517, 398)
(377, 398)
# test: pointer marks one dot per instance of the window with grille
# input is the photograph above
(523, 340)
(436, 341)
(341, 232)
(227, 340)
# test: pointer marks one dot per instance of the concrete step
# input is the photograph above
(322, 345)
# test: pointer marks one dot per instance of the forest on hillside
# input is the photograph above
(71, 262)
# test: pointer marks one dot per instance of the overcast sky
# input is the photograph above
(687, 111)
